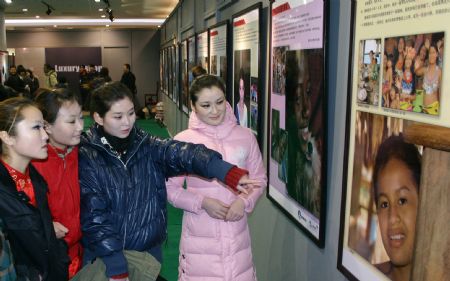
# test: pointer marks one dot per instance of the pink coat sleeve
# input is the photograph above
(181, 198)
(255, 166)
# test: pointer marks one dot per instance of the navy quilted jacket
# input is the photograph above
(123, 200)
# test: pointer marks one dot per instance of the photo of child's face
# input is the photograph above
(408, 63)
(397, 210)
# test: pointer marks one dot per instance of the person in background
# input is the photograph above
(50, 76)
(14, 81)
(122, 173)
(396, 188)
(37, 253)
(197, 71)
(33, 82)
(215, 240)
(62, 82)
(61, 109)
(128, 79)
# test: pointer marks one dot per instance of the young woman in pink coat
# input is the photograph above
(215, 239)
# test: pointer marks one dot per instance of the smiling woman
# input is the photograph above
(64, 123)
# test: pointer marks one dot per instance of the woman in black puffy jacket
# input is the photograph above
(27, 223)
(122, 174)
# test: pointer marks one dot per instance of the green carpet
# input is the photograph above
(171, 247)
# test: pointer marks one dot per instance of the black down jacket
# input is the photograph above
(36, 251)
(123, 200)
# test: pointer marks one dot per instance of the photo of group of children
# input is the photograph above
(411, 75)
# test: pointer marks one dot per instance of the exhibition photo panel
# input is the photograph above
(246, 101)
(297, 162)
(218, 53)
(184, 89)
(202, 50)
(397, 116)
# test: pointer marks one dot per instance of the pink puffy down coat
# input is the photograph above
(212, 249)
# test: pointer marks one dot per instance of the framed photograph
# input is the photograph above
(170, 76)
(161, 70)
(297, 122)
(247, 69)
(166, 71)
(184, 89)
(175, 74)
(203, 50)
(191, 49)
(218, 53)
(395, 167)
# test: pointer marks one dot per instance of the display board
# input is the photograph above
(297, 123)
(202, 50)
(191, 49)
(247, 99)
(169, 76)
(399, 82)
(184, 89)
(175, 74)
(218, 50)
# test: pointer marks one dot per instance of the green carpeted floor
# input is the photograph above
(170, 248)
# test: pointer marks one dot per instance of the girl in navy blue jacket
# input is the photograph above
(122, 174)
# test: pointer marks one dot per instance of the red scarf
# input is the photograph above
(22, 181)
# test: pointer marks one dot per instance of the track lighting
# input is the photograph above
(110, 14)
(49, 8)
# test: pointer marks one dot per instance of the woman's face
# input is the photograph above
(432, 55)
(210, 106)
(30, 140)
(241, 89)
(397, 211)
(67, 128)
(120, 118)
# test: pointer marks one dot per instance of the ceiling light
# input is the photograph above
(97, 0)
(55, 25)
(8, 1)
(80, 22)
(103, 16)
(37, 17)
(24, 10)
(107, 25)
(100, 10)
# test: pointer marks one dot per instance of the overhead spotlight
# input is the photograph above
(110, 14)
(49, 8)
